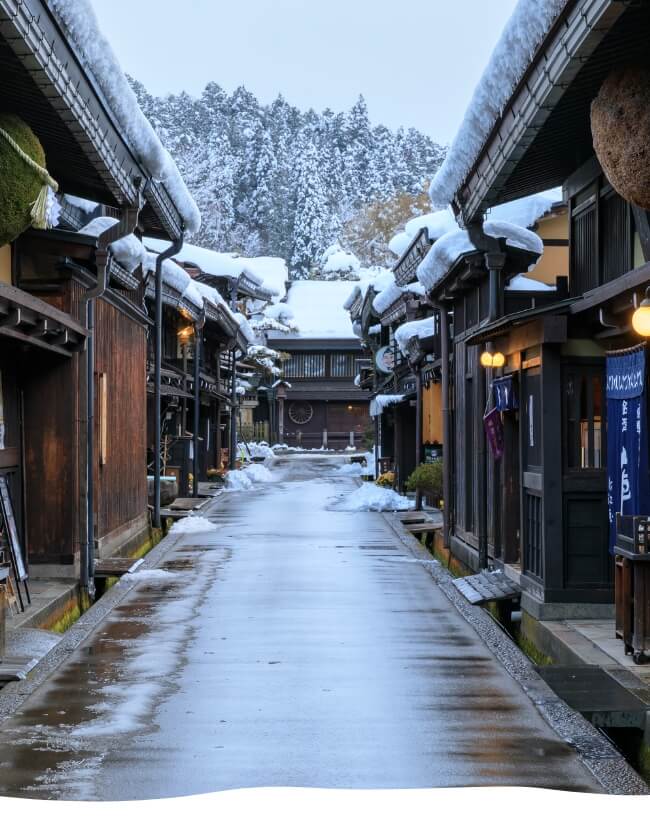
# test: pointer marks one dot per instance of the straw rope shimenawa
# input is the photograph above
(40, 206)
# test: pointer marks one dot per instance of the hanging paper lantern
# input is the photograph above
(620, 127)
(26, 189)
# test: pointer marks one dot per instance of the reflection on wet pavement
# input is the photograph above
(293, 646)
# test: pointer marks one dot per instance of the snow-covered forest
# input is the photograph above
(273, 180)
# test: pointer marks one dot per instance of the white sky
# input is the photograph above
(416, 64)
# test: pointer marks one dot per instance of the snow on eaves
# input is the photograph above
(420, 329)
(526, 212)
(399, 243)
(522, 283)
(523, 34)
(264, 271)
(437, 224)
(443, 255)
(78, 20)
(386, 298)
(318, 308)
(453, 245)
(245, 328)
(380, 402)
(85, 205)
(128, 251)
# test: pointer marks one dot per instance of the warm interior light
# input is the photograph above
(641, 316)
(186, 333)
(487, 358)
(498, 360)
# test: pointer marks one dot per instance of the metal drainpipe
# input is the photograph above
(232, 455)
(446, 423)
(124, 227)
(175, 247)
(197, 397)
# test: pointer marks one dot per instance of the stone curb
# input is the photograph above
(14, 694)
(600, 757)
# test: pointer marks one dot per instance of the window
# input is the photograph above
(305, 365)
(342, 365)
(583, 417)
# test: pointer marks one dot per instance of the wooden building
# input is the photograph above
(541, 511)
(73, 331)
(317, 404)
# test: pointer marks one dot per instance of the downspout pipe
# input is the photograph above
(124, 227)
(175, 247)
(198, 343)
(232, 444)
(446, 423)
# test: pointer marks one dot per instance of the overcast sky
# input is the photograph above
(416, 62)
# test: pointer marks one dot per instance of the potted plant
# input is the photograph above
(427, 478)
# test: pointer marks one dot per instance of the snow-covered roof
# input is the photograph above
(318, 308)
(528, 211)
(78, 20)
(523, 283)
(456, 243)
(388, 296)
(437, 224)
(264, 271)
(399, 243)
(414, 329)
(84, 205)
(523, 34)
(128, 251)
(245, 328)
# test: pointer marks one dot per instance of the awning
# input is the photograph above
(33, 321)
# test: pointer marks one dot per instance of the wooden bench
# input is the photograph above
(115, 566)
(423, 528)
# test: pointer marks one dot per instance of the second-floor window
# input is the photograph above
(305, 365)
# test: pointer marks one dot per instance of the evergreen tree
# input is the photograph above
(311, 225)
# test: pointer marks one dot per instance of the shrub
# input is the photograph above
(427, 477)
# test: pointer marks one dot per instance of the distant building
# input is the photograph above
(315, 401)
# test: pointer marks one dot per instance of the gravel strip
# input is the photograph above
(600, 757)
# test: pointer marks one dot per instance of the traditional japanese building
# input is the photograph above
(315, 403)
(74, 327)
(540, 508)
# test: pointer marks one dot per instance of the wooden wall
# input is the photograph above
(52, 440)
(120, 362)
(431, 414)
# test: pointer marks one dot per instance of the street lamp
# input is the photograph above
(494, 360)
(641, 316)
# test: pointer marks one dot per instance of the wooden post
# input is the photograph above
(446, 425)
(3, 603)
(418, 429)
(482, 470)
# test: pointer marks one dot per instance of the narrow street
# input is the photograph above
(294, 646)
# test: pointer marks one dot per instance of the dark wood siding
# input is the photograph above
(120, 353)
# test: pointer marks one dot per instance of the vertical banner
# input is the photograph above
(627, 436)
(494, 431)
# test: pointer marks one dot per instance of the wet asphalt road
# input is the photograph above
(295, 646)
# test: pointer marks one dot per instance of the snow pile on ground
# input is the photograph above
(370, 497)
(351, 469)
(258, 473)
(193, 525)
(248, 451)
(522, 35)
(237, 480)
(78, 19)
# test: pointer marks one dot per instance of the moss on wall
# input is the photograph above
(19, 183)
